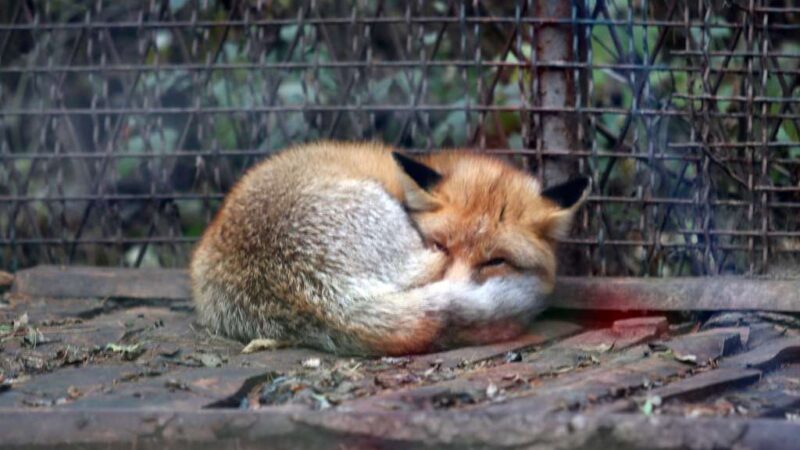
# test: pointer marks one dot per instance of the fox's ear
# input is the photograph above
(567, 197)
(569, 194)
(417, 183)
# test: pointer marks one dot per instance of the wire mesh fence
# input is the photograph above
(122, 124)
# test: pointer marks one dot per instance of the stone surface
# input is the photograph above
(126, 371)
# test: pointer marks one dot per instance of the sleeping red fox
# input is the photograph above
(355, 248)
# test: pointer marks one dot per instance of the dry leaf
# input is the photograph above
(686, 358)
(259, 345)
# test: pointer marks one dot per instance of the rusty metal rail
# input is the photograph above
(576, 293)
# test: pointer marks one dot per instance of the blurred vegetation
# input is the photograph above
(208, 87)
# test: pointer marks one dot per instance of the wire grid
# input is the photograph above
(122, 124)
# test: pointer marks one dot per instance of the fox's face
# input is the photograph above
(493, 221)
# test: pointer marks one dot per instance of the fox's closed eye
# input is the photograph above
(440, 247)
(494, 262)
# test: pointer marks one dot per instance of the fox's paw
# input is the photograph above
(260, 345)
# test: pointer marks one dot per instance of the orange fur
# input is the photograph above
(487, 210)
(333, 245)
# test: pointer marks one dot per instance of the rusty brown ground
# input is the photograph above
(122, 365)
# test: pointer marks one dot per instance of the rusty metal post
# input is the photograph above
(555, 88)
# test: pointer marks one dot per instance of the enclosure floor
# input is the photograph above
(91, 372)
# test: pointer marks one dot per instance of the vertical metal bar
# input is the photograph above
(555, 87)
(765, 127)
(581, 78)
(476, 59)
(747, 86)
(709, 260)
(596, 207)
(650, 266)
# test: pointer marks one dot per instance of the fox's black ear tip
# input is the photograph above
(423, 175)
(399, 157)
(406, 162)
(583, 182)
(567, 194)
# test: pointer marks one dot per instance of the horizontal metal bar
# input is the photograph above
(746, 233)
(90, 24)
(371, 64)
(619, 294)
(737, 98)
(102, 282)
(180, 196)
(741, 144)
(677, 294)
(688, 232)
(67, 154)
(735, 54)
(156, 196)
(153, 240)
(777, 9)
(313, 108)
(777, 188)
(354, 64)
(579, 242)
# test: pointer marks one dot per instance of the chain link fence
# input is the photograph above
(122, 124)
